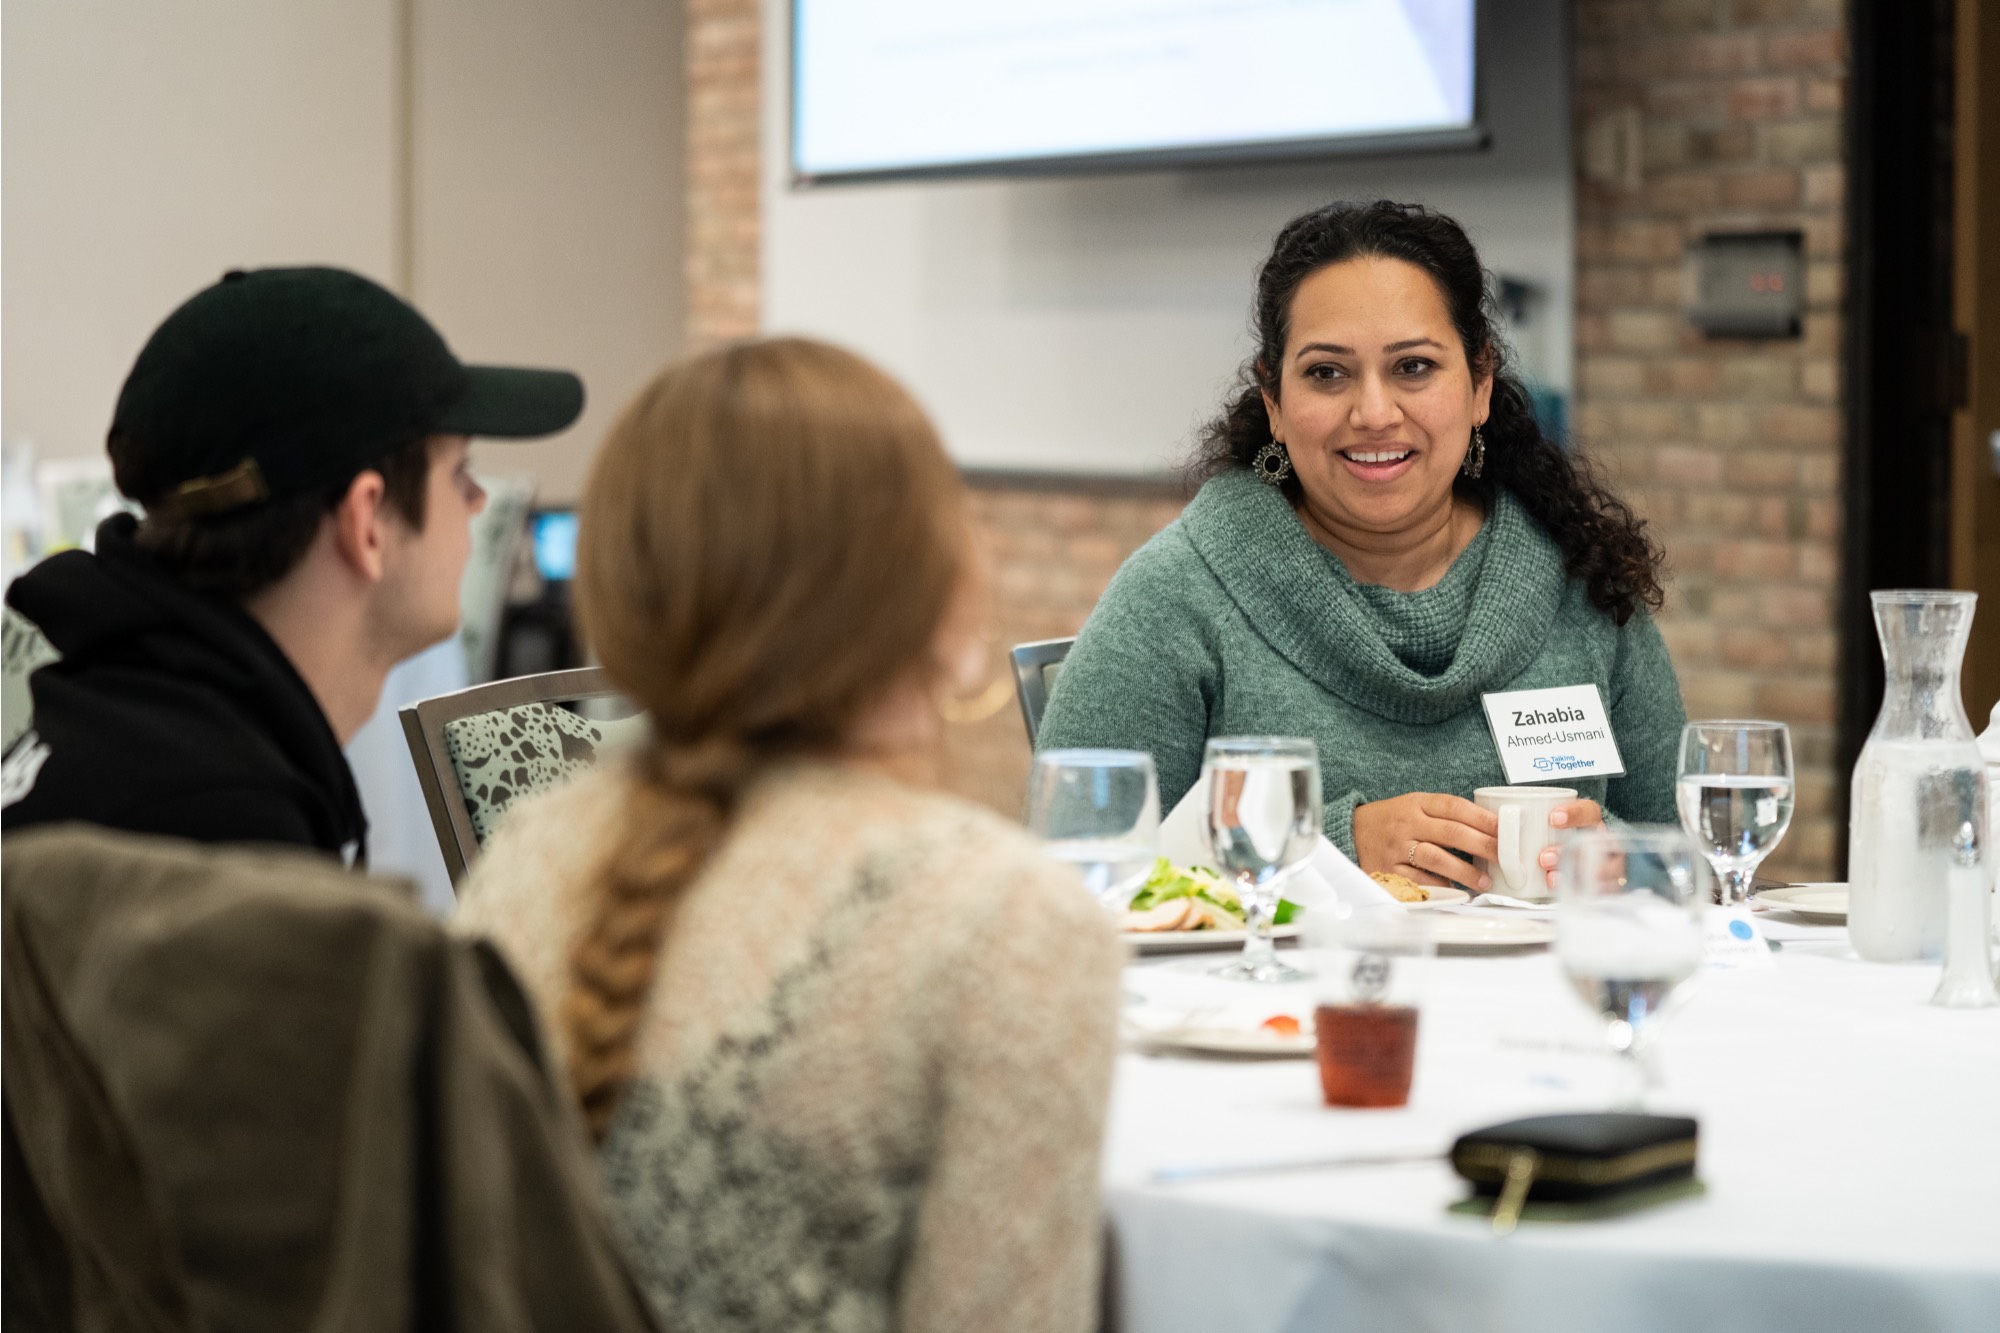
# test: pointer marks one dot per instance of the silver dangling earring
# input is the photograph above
(1272, 464)
(1475, 457)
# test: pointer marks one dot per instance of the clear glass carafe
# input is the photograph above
(1918, 783)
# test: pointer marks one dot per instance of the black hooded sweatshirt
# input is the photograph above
(171, 712)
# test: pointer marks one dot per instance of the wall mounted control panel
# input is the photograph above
(1749, 285)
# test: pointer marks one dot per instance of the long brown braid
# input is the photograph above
(770, 539)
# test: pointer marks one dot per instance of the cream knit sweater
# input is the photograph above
(874, 1067)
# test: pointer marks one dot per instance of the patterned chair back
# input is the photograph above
(25, 650)
(479, 750)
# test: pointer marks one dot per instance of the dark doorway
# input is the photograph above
(1905, 363)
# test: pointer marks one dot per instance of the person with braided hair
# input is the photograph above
(1383, 535)
(844, 1042)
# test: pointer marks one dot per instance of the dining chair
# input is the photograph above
(25, 650)
(1035, 668)
(477, 750)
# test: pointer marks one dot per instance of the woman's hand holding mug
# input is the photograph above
(1568, 817)
(1530, 819)
(1417, 835)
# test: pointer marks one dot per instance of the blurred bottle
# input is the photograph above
(1989, 749)
(1919, 781)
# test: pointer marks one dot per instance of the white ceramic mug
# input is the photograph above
(1524, 832)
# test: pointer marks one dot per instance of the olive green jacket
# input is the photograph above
(247, 1090)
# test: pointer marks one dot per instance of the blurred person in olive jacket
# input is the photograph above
(246, 1089)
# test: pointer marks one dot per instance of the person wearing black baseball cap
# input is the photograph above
(297, 439)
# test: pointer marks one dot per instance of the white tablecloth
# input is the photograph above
(1850, 1142)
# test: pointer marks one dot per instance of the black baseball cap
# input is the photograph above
(279, 382)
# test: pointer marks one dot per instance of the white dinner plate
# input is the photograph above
(1457, 933)
(1230, 1039)
(1184, 941)
(1815, 902)
(1441, 895)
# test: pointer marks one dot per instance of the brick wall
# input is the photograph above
(724, 90)
(1053, 553)
(1730, 448)
(1054, 549)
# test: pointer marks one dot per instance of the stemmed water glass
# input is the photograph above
(1098, 810)
(1628, 931)
(1263, 821)
(1735, 793)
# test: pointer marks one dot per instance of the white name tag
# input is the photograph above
(1553, 735)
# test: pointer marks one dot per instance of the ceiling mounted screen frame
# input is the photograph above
(1472, 135)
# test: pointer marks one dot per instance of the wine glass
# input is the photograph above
(1735, 794)
(1098, 810)
(1263, 822)
(1629, 932)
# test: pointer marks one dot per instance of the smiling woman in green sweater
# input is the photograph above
(1385, 535)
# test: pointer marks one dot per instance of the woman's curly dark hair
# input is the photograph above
(1603, 542)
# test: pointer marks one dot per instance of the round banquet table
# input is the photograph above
(1849, 1141)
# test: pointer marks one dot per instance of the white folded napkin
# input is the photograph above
(1327, 877)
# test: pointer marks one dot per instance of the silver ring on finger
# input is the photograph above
(1411, 858)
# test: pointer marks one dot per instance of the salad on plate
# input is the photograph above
(1185, 898)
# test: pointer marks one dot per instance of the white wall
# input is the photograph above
(514, 166)
(147, 147)
(525, 193)
(1091, 324)
(548, 210)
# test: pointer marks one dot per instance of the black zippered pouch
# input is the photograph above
(1588, 1159)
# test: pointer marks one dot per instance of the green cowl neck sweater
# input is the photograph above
(1234, 621)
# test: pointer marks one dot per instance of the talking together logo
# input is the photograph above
(1558, 763)
(1370, 977)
